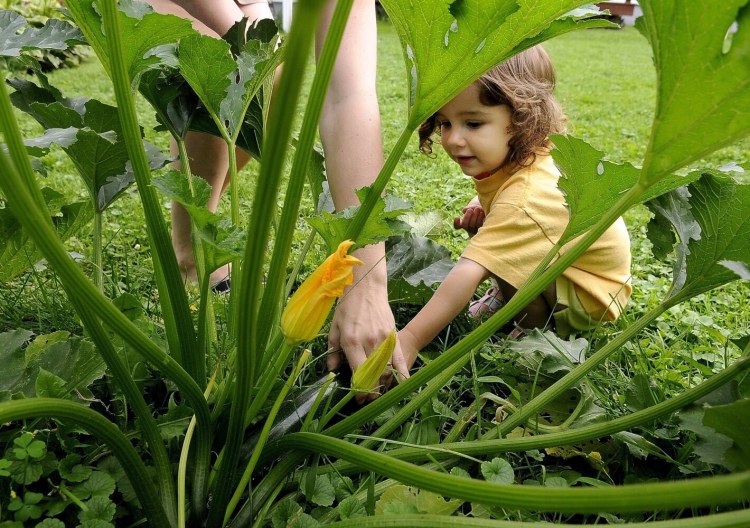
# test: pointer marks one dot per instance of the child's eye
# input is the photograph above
(444, 124)
(474, 124)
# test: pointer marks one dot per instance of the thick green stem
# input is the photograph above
(245, 480)
(184, 454)
(245, 306)
(736, 519)
(105, 431)
(174, 304)
(282, 246)
(234, 201)
(205, 317)
(97, 250)
(16, 148)
(727, 489)
(175, 307)
(206, 329)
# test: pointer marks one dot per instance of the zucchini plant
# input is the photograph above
(223, 87)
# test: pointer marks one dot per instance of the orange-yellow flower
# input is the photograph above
(308, 308)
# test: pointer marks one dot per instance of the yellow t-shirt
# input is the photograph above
(525, 214)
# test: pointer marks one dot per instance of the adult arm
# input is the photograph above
(451, 297)
(351, 136)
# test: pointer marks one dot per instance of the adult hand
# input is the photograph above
(363, 319)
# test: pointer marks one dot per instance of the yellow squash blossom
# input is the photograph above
(367, 375)
(308, 308)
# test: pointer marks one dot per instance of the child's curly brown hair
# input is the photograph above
(525, 83)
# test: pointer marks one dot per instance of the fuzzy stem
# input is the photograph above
(246, 305)
(244, 481)
(97, 252)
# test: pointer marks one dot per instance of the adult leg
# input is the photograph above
(207, 154)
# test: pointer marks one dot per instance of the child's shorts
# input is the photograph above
(574, 318)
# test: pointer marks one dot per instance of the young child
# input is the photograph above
(497, 131)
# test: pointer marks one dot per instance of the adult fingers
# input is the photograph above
(334, 356)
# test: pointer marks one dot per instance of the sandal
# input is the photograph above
(223, 286)
(488, 304)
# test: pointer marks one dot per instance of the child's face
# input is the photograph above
(475, 135)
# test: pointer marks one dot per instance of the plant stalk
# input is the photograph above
(245, 480)
(716, 490)
(735, 519)
(175, 308)
(272, 293)
(97, 252)
(281, 117)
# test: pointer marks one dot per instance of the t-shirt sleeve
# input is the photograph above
(509, 245)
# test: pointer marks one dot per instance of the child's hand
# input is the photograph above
(472, 218)
(408, 348)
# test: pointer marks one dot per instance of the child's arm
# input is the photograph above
(450, 298)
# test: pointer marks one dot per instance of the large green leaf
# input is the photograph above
(703, 89)
(101, 160)
(16, 35)
(449, 43)
(382, 224)
(207, 65)
(67, 364)
(172, 98)
(592, 185)
(712, 220)
(545, 352)
(88, 131)
(141, 30)
(733, 421)
(18, 252)
(226, 84)
(415, 265)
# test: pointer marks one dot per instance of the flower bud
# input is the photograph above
(368, 373)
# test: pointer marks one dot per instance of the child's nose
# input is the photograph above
(453, 138)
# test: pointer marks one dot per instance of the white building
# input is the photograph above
(629, 10)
